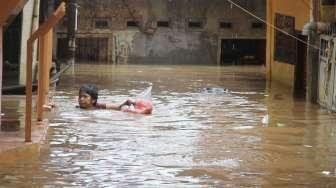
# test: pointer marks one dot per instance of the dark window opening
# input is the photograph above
(195, 24)
(132, 24)
(12, 51)
(285, 46)
(101, 24)
(225, 25)
(328, 2)
(163, 24)
(258, 25)
(91, 50)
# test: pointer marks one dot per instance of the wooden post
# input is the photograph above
(29, 87)
(45, 58)
(49, 45)
(40, 85)
(44, 32)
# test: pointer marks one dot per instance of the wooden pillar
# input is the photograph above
(45, 58)
(49, 44)
(29, 87)
(44, 33)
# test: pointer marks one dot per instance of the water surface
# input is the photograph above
(211, 126)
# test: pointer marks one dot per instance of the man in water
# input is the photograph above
(88, 96)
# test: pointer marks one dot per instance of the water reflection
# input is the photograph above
(242, 135)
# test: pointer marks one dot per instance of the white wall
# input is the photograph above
(29, 24)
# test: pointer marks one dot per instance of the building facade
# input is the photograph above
(285, 55)
(167, 31)
(305, 68)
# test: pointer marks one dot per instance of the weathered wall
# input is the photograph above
(327, 63)
(278, 71)
(29, 24)
(177, 43)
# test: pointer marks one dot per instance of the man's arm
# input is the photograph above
(112, 106)
(128, 102)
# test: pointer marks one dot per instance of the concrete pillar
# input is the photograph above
(71, 30)
(269, 37)
(312, 55)
(30, 20)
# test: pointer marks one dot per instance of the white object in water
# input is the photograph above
(265, 119)
(146, 94)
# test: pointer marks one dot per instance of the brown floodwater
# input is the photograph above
(211, 127)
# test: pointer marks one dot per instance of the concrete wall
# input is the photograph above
(29, 24)
(177, 44)
(280, 72)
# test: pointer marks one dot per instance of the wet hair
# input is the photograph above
(91, 90)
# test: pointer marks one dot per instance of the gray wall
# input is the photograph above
(177, 44)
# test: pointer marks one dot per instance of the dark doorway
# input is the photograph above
(62, 49)
(300, 68)
(90, 50)
(243, 51)
(11, 52)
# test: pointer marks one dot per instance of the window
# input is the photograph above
(225, 25)
(132, 23)
(195, 24)
(162, 24)
(258, 25)
(285, 46)
(328, 2)
(101, 24)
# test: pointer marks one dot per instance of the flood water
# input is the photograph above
(211, 127)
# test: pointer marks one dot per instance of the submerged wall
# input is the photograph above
(167, 31)
(280, 71)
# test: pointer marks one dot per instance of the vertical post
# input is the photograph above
(312, 55)
(71, 30)
(29, 87)
(40, 86)
(269, 40)
(1, 63)
(48, 38)
(45, 59)
(45, 42)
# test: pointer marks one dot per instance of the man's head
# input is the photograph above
(88, 95)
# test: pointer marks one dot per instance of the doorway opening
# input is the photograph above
(11, 52)
(300, 68)
(243, 52)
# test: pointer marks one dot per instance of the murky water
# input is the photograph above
(236, 133)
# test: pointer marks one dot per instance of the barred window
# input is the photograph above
(163, 23)
(225, 25)
(132, 23)
(285, 45)
(101, 24)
